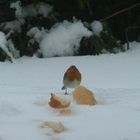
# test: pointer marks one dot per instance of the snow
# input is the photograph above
(25, 88)
(3, 44)
(97, 27)
(2, 40)
(39, 9)
(14, 25)
(11, 47)
(63, 39)
(37, 34)
(22, 12)
(31, 10)
(18, 10)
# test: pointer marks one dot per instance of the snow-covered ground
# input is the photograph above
(25, 88)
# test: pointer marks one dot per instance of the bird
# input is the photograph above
(71, 78)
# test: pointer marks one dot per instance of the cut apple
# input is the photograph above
(57, 102)
(82, 95)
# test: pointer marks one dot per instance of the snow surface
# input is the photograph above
(25, 88)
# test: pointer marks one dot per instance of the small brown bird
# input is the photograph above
(72, 78)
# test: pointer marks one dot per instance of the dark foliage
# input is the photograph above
(6, 13)
(2, 55)
(91, 46)
(99, 9)
(96, 45)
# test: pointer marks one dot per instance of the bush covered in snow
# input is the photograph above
(63, 39)
(29, 17)
(37, 28)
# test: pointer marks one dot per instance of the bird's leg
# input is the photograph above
(66, 92)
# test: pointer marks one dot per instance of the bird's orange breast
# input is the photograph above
(74, 74)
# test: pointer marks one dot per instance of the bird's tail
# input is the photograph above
(63, 88)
